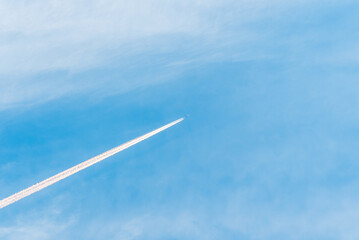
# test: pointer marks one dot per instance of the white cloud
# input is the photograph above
(39, 230)
(51, 35)
(181, 224)
(38, 224)
(324, 215)
(38, 37)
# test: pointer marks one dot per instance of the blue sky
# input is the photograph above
(269, 149)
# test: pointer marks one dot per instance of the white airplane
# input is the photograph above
(62, 175)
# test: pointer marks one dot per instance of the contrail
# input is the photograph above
(62, 175)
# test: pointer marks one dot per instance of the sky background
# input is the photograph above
(269, 148)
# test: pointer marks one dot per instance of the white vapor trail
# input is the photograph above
(62, 175)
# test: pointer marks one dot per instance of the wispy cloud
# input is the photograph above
(39, 224)
(78, 34)
(44, 45)
(39, 230)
